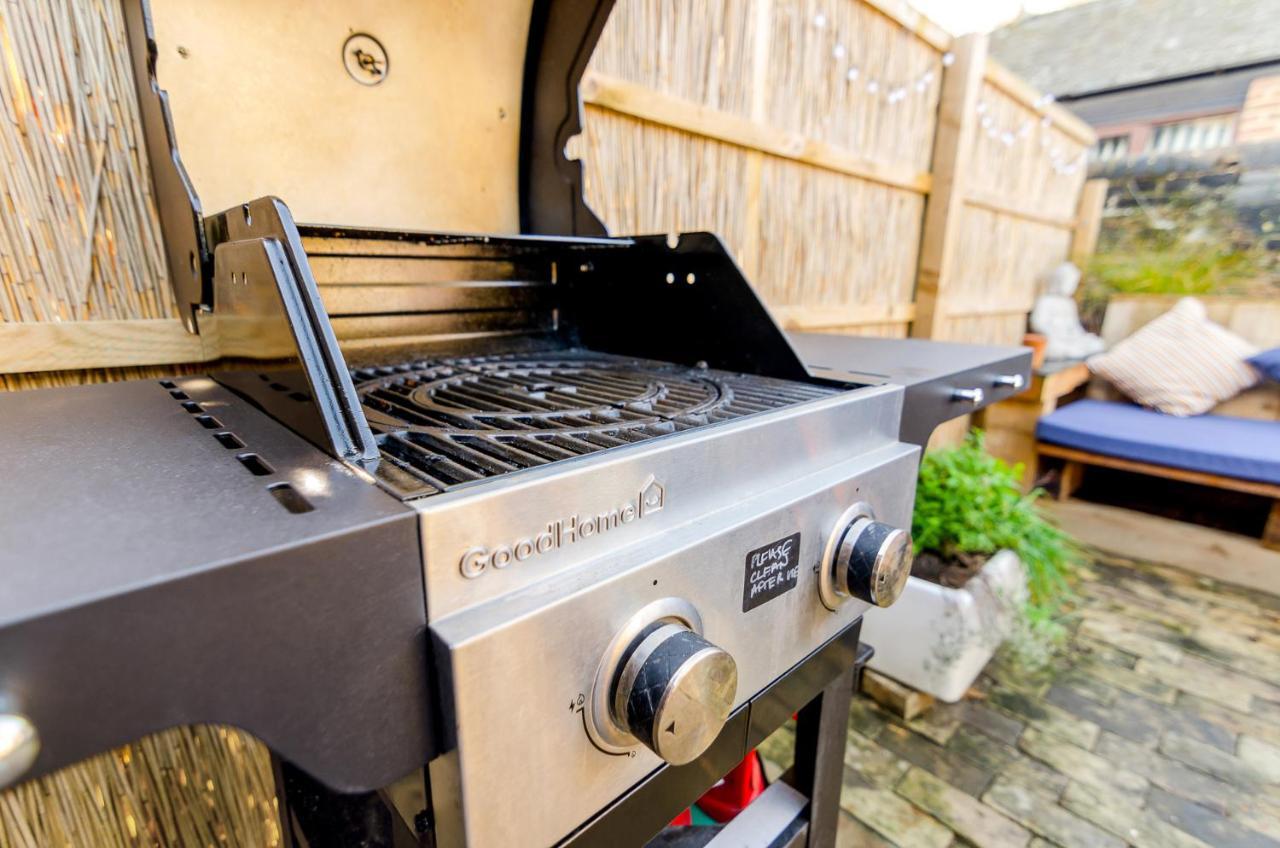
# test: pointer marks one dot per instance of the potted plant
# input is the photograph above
(987, 564)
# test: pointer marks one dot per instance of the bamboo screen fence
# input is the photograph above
(813, 135)
(871, 174)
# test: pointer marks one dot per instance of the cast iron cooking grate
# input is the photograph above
(444, 422)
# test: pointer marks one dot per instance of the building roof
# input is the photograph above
(1113, 43)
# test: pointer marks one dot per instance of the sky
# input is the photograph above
(962, 16)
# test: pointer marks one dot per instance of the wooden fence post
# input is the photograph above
(1084, 237)
(957, 108)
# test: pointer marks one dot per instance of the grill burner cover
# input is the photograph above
(449, 421)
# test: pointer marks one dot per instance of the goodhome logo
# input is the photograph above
(563, 532)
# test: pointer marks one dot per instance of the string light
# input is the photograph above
(894, 92)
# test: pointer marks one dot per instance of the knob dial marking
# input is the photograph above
(865, 559)
(674, 691)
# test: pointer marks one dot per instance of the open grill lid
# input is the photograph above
(383, 122)
(395, 114)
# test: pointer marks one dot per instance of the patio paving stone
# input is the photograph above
(1216, 830)
(1211, 760)
(938, 760)
(968, 817)
(993, 723)
(1083, 766)
(1121, 719)
(1046, 717)
(1136, 826)
(1055, 823)
(1159, 726)
(1170, 775)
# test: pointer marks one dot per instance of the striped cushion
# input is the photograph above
(1181, 363)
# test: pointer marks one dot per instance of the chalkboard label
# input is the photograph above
(771, 571)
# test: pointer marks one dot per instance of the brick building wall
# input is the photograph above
(1232, 195)
(1260, 118)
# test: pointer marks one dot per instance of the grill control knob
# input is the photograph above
(674, 691)
(872, 562)
(19, 745)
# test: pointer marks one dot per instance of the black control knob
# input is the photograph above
(873, 562)
(674, 691)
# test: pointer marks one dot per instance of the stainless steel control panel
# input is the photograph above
(707, 597)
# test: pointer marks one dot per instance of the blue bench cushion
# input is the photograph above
(1267, 363)
(1243, 448)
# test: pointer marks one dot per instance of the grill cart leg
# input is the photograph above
(314, 816)
(819, 765)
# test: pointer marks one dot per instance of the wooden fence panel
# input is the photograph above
(834, 117)
(803, 131)
(1025, 168)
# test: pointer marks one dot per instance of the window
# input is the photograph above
(1198, 134)
(1110, 149)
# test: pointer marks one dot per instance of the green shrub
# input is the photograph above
(968, 501)
(1190, 243)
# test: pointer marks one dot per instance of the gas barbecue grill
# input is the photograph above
(560, 533)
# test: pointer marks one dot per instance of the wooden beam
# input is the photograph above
(1072, 474)
(1271, 533)
(908, 18)
(1084, 236)
(1019, 89)
(961, 85)
(637, 101)
(1014, 206)
(60, 346)
(1217, 481)
(1222, 556)
(850, 315)
(898, 698)
(995, 307)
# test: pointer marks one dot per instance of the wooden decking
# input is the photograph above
(1226, 557)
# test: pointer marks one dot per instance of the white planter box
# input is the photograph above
(938, 640)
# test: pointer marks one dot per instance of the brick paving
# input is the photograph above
(1158, 728)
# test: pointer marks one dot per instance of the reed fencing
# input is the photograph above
(871, 174)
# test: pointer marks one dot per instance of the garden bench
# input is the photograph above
(1236, 447)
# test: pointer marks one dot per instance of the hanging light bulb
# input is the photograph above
(820, 21)
(838, 52)
(851, 75)
(872, 86)
(948, 59)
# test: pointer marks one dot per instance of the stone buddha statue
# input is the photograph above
(1057, 318)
